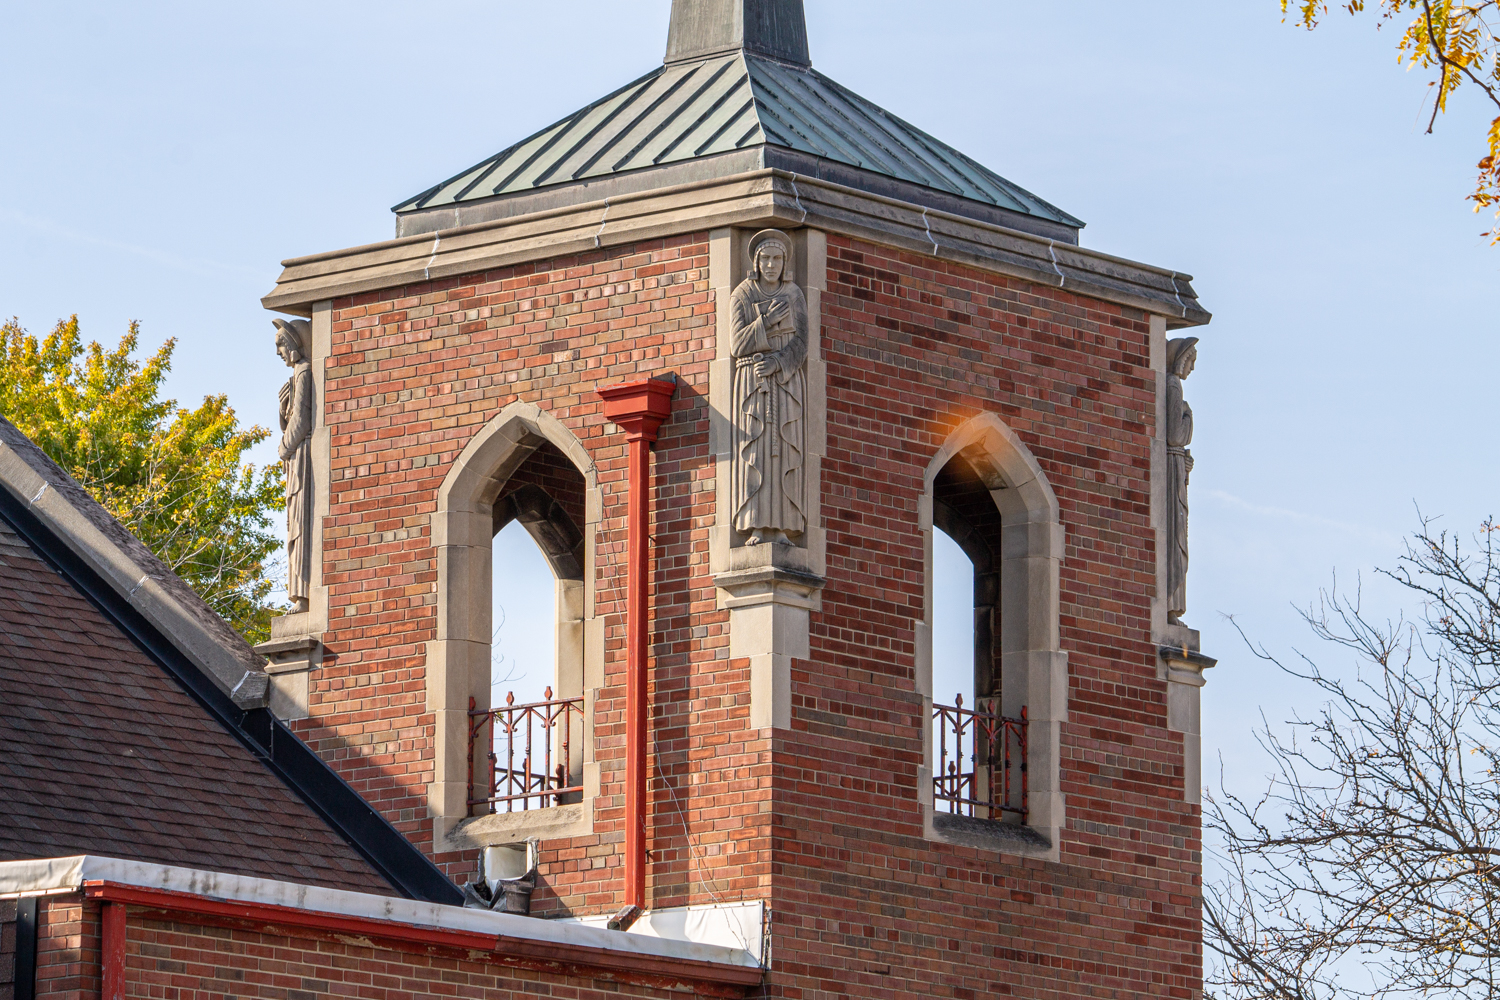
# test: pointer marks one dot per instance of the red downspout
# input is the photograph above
(112, 952)
(639, 408)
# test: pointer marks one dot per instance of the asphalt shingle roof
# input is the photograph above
(101, 752)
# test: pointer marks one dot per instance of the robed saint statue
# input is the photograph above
(293, 343)
(1182, 355)
(769, 344)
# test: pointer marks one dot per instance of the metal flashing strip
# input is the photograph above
(361, 826)
(24, 984)
(507, 937)
(738, 926)
(756, 197)
(797, 196)
(926, 226)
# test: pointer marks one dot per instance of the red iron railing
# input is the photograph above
(532, 731)
(994, 750)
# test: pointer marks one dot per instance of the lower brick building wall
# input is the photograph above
(171, 958)
(67, 950)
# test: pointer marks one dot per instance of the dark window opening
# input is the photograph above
(977, 753)
(529, 744)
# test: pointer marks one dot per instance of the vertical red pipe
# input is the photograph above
(639, 408)
(112, 952)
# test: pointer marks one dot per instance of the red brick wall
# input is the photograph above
(67, 950)
(185, 958)
(864, 906)
(550, 470)
(414, 374)
(827, 828)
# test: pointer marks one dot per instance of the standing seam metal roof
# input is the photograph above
(718, 105)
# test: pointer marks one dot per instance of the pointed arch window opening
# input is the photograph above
(526, 746)
(979, 762)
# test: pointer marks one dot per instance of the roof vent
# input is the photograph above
(776, 29)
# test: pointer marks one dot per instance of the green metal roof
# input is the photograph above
(720, 104)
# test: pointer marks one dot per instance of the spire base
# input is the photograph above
(775, 29)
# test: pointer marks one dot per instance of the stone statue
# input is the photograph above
(294, 344)
(1182, 354)
(769, 345)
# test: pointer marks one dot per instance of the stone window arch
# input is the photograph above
(481, 495)
(985, 490)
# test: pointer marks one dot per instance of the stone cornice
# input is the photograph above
(762, 198)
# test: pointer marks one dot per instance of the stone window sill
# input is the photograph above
(985, 835)
(499, 829)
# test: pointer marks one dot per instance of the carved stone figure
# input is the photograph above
(1182, 354)
(769, 345)
(294, 344)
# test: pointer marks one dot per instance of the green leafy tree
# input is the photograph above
(1455, 41)
(174, 477)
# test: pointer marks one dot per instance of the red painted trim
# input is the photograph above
(639, 408)
(535, 954)
(112, 952)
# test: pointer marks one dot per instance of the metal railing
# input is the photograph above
(542, 728)
(994, 750)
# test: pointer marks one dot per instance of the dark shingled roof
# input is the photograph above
(101, 752)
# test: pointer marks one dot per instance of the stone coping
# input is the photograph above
(50, 876)
(761, 198)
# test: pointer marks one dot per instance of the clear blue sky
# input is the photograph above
(161, 159)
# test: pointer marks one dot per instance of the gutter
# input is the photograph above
(559, 947)
(639, 409)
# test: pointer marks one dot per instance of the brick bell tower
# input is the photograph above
(732, 343)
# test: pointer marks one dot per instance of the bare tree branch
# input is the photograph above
(1370, 864)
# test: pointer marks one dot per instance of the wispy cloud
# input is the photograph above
(192, 265)
(1364, 531)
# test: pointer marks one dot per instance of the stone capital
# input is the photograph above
(1185, 665)
(769, 584)
(290, 655)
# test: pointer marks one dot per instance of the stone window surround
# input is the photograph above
(1034, 669)
(458, 660)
